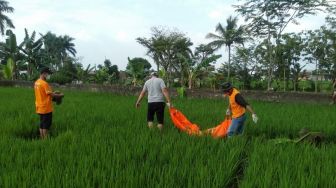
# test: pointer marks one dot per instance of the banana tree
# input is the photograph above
(200, 62)
(31, 50)
(10, 50)
(8, 69)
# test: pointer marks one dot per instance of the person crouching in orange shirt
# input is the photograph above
(43, 101)
(237, 108)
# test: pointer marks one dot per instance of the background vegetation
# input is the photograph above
(271, 60)
(101, 140)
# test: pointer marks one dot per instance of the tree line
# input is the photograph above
(259, 53)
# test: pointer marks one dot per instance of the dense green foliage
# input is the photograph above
(260, 52)
(101, 140)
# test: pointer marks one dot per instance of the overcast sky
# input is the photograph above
(108, 28)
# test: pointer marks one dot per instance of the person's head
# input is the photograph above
(154, 74)
(227, 88)
(45, 73)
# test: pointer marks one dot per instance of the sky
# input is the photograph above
(107, 29)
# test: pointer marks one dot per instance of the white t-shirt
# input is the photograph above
(154, 87)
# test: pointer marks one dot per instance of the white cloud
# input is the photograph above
(221, 12)
(108, 28)
(83, 35)
(216, 14)
(307, 23)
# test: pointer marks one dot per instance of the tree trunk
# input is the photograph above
(316, 76)
(134, 82)
(229, 63)
(270, 68)
(166, 76)
(14, 74)
(284, 78)
(182, 76)
(190, 81)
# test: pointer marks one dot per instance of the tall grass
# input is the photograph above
(290, 165)
(101, 140)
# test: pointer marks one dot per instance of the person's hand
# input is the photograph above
(228, 112)
(255, 118)
(169, 105)
(137, 105)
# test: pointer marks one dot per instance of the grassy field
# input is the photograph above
(101, 140)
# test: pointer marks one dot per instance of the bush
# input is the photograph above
(60, 78)
(306, 85)
(259, 84)
(181, 92)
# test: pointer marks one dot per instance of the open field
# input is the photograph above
(101, 140)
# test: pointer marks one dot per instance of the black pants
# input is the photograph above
(45, 121)
(158, 109)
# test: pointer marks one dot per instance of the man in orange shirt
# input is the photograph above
(43, 101)
(237, 108)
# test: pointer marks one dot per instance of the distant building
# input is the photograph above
(308, 75)
(122, 76)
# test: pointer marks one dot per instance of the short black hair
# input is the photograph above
(45, 70)
(154, 73)
(226, 87)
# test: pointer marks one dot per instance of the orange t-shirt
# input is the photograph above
(43, 98)
(236, 109)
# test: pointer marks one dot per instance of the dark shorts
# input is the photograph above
(156, 108)
(45, 120)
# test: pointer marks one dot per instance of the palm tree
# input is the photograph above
(57, 48)
(52, 50)
(68, 46)
(227, 36)
(4, 20)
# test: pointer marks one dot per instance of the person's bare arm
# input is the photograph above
(254, 115)
(142, 94)
(166, 94)
(53, 94)
(228, 110)
(249, 108)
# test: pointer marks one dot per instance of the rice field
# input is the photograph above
(101, 140)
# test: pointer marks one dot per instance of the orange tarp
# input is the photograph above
(220, 130)
(183, 124)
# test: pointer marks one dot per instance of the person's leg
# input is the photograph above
(232, 128)
(41, 125)
(160, 114)
(241, 121)
(46, 124)
(150, 115)
(49, 123)
(150, 124)
(44, 133)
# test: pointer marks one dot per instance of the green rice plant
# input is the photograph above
(101, 140)
(290, 165)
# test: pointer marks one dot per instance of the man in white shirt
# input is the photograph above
(157, 91)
